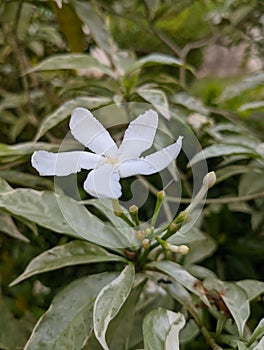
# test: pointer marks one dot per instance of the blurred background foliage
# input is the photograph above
(201, 59)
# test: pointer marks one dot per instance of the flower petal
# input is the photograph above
(91, 133)
(64, 163)
(151, 164)
(103, 182)
(139, 135)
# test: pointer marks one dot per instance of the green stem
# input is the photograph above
(160, 197)
(119, 212)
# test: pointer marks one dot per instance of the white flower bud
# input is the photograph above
(209, 179)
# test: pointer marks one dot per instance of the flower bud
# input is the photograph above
(149, 231)
(209, 179)
(146, 243)
(133, 209)
(141, 234)
(160, 195)
(182, 249)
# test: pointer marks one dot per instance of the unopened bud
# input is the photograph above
(182, 249)
(149, 231)
(133, 209)
(209, 179)
(146, 243)
(141, 235)
(160, 195)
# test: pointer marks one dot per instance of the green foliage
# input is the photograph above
(67, 284)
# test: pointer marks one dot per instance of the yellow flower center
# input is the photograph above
(112, 161)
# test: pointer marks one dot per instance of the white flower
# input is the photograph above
(109, 162)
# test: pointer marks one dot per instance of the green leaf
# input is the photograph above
(200, 249)
(72, 253)
(90, 16)
(190, 102)
(23, 179)
(234, 297)
(247, 107)
(220, 150)
(72, 61)
(232, 170)
(155, 59)
(156, 97)
(258, 332)
(182, 276)
(62, 214)
(110, 300)
(161, 329)
(61, 113)
(69, 319)
(8, 226)
(22, 149)
(253, 288)
(4, 186)
(182, 237)
(236, 89)
(260, 345)
(118, 332)
(251, 183)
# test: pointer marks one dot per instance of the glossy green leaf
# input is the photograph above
(110, 300)
(89, 14)
(153, 60)
(23, 179)
(220, 150)
(161, 329)
(182, 237)
(8, 226)
(72, 61)
(61, 113)
(62, 214)
(69, 319)
(253, 288)
(72, 253)
(181, 275)
(4, 186)
(156, 97)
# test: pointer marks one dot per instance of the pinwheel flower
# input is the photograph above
(109, 162)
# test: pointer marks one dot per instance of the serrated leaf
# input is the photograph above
(156, 97)
(69, 319)
(220, 150)
(72, 61)
(182, 276)
(72, 253)
(110, 300)
(161, 329)
(153, 60)
(61, 113)
(8, 226)
(62, 214)
(253, 288)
